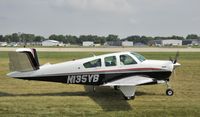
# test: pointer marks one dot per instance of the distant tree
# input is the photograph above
(1, 38)
(158, 38)
(145, 40)
(14, 37)
(71, 39)
(133, 38)
(176, 37)
(139, 39)
(25, 38)
(170, 37)
(8, 38)
(39, 38)
(87, 37)
(60, 38)
(83, 38)
(53, 37)
(101, 40)
(93, 38)
(192, 36)
(112, 37)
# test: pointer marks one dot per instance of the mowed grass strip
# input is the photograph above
(32, 98)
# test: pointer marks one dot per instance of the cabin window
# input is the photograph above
(110, 61)
(92, 64)
(127, 60)
(138, 56)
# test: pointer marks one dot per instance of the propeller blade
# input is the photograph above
(170, 58)
(176, 57)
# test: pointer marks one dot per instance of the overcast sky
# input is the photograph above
(100, 17)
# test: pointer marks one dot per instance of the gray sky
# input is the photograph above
(101, 17)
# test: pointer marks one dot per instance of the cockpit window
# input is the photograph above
(127, 60)
(92, 64)
(110, 61)
(138, 56)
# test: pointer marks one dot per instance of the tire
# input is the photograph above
(169, 92)
(116, 87)
(129, 97)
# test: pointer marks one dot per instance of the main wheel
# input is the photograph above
(129, 97)
(169, 92)
(116, 87)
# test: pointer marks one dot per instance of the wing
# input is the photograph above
(131, 81)
(128, 85)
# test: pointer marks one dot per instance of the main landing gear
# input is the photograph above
(128, 92)
(93, 88)
(129, 97)
(169, 91)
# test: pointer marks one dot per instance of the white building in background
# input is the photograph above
(127, 43)
(50, 43)
(195, 42)
(97, 45)
(3, 44)
(172, 42)
(88, 43)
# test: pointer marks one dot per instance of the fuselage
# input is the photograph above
(98, 70)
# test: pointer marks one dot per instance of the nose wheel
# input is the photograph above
(169, 91)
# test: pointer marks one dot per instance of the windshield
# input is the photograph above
(138, 56)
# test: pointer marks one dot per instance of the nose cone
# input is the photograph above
(177, 65)
(173, 66)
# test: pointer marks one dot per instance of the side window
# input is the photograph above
(127, 60)
(110, 61)
(92, 64)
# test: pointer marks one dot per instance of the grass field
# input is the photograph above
(32, 98)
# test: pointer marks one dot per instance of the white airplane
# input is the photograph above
(122, 70)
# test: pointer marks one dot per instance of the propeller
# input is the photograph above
(176, 57)
(174, 61)
(175, 64)
(170, 58)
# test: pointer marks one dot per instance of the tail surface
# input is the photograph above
(24, 59)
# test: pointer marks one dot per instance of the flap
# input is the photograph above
(130, 81)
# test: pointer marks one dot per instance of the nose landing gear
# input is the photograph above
(169, 91)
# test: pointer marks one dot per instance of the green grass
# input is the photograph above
(32, 98)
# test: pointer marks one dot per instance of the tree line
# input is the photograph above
(27, 38)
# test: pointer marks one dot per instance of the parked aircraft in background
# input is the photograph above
(123, 70)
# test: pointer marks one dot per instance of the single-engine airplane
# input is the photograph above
(122, 70)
